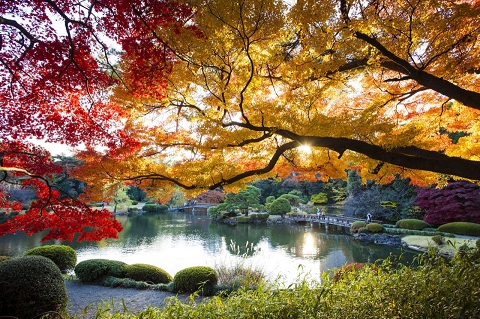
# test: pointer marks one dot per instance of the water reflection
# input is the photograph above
(176, 241)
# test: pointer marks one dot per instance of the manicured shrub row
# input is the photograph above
(31, 286)
(92, 270)
(461, 228)
(414, 224)
(113, 273)
(402, 231)
(63, 256)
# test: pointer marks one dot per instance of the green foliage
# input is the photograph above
(260, 217)
(63, 256)
(192, 279)
(155, 208)
(244, 219)
(461, 228)
(402, 231)
(31, 286)
(320, 198)
(414, 224)
(220, 210)
(280, 206)
(93, 269)
(356, 225)
(293, 199)
(438, 239)
(3, 258)
(437, 289)
(270, 199)
(374, 227)
(363, 230)
(148, 273)
(114, 282)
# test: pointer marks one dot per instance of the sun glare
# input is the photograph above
(305, 149)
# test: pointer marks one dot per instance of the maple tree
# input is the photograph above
(206, 94)
(57, 62)
(458, 201)
(372, 86)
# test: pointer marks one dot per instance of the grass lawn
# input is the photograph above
(451, 246)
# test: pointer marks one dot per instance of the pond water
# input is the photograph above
(174, 241)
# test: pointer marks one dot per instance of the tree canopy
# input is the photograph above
(206, 94)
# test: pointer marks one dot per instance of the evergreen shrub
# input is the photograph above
(363, 230)
(461, 228)
(63, 256)
(374, 227)
(414, 224)
(243, 219)
(147, 273)
(262, 217)
(154, 208)
(356, 225)
(31, 286)
(198, 278)
(93, 269)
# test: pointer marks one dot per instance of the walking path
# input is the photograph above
(83, 299)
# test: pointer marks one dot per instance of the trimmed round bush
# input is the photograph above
(147, 273)
(31, 286)
(356, 225)
(93, 269)
(414, 224)
(192, 279)
(155, 208)
(461, 228)
(374, 227)
(63, 256)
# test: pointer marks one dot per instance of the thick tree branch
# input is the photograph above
(408, 156)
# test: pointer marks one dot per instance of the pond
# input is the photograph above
(174, 241)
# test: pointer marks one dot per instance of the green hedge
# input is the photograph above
(63, 256)
(147, 273)
(94, 269)
(374, 227)
(154, 208)
(414, 224)
(244, 219)
(356, 225)
(199, 278)
(402, 231)
(262, 217)
(31, 286)
(461, 228)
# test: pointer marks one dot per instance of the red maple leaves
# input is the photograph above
(58, 64)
